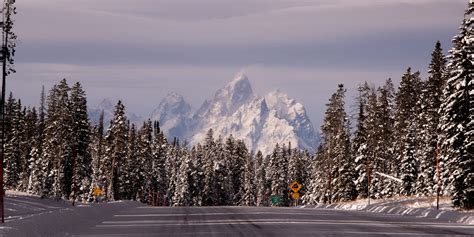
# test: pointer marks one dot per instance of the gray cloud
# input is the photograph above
(146, 48)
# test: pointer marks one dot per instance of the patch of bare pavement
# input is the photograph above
(32, 216)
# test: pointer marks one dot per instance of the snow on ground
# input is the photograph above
(14, 193)
(423, 207)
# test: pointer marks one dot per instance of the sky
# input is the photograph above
(141, 50)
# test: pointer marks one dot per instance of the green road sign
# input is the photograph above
(276, 200)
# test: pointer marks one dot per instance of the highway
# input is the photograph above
(134, 219)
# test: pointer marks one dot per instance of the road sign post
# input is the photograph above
(295, 187)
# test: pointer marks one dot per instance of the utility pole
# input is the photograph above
(7, 53)
(6, 15)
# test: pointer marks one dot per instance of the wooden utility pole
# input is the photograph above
(5, 31)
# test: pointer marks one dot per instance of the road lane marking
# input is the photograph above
(217, 214)
(152, 223)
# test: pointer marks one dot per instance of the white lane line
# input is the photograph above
(111, 224)
(219, 214)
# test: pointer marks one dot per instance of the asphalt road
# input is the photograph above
(133, 219)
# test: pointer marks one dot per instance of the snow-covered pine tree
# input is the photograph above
(407, 125)
(115, 152)
(13, 162)
(27, 144)
(58, 147)
(385, 115)
(359, 142)
(230, 160)
(278, 174)
(38, 165)
(432, 96)
(335, 134)
(457, 122)
(160, 147)
(374, 162)
(81, 158)
(209, 154)
(172, 167)
(132, 167)
(239, 167)
(145, 160)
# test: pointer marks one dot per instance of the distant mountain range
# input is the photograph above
(260, 121)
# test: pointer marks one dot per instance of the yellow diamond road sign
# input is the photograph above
(295, 186)
(97, 192)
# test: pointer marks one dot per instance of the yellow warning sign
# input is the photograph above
(97, 192)
(295, 196)
(295, 186)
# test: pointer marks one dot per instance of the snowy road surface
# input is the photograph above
(29, 216)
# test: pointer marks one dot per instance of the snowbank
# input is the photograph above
(411, 206)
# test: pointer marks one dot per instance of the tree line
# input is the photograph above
(399, 134)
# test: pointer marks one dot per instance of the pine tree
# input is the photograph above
(81, 159)
(278, 174)
(26, 145)
(13, 145)
(359, 143)
(160, 148)
(432, 96)
(145, 160)
(374, 162)
(407, 124)
(115, 152)
(209, 151)
(457, 122)
(172, 168)
(132, 168)
(338, 164)
(386, 153)
(38, 165)
(58, 148)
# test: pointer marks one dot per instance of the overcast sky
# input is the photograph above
(140, 50)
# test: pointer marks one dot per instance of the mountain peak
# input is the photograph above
(237, 92)
(172, 98)
(173, 103)
(240, 85)
(240, 77)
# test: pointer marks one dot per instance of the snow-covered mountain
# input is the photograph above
(108, 106)
(173, 114)
(261, 122)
